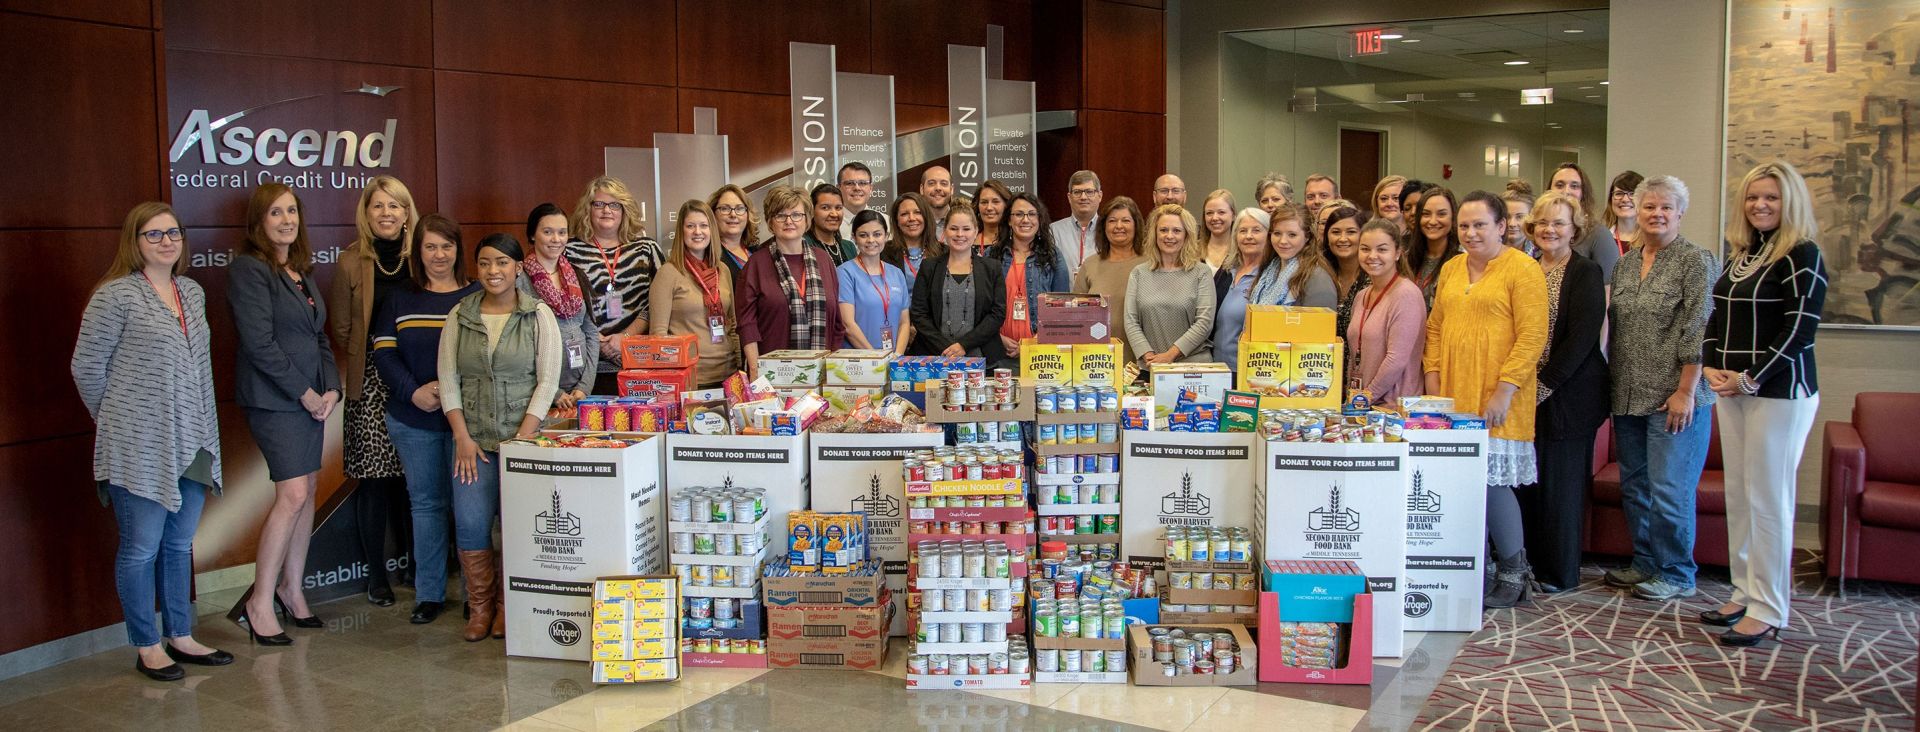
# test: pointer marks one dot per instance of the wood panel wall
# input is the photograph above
(507, 104)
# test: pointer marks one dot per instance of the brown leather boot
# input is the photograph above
(482, 584)
(499, 598)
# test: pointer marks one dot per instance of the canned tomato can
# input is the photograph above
(977, 664)
(917, 664)
(1019, 663)
(1046, 660)
(937, 664)
(997, 662)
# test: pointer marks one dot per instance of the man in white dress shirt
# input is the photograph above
(1078, 234)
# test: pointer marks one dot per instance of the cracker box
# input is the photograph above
(1286, 324)
(1097, 364)
(793, 369)
(662, 385)
(1066, 317)
(856, 367)
(659, 351)
(1210, 381)
(1046, 364)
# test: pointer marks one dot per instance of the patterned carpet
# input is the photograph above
(1595, 658)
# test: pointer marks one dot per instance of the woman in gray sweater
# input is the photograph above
(143, 370)
(1169, 314)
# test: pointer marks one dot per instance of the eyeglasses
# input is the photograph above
(1623, 194)
(790, 216)
(734, 210)
(153, 236)
(856, 183)
(613, 206)
(1170, 191)
(1084, 193)
(1024, 215)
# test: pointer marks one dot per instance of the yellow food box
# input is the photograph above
(613, 608)
(1097, 364)
(653, 648)
(1287, 324)
(654, 607)
(1292, 375)
(609, 630)
(628, 672)
(1046, 364)
(650, 628)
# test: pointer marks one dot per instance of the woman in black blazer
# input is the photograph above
(1573, 397)
(953, 272)
(286, 381)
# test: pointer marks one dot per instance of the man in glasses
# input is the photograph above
(856, 194)
(1169, 189)
(1077, 234)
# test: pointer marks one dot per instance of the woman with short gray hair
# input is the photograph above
(1661, 299)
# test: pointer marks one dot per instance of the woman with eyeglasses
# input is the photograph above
(912, 235)
(371, 269)
(617, 261)
(1033, 265)
(694, 296)
(1597, 245)
(1620, 218)
(788, 296)
(144, 370)
(736, 227)
(287, 383)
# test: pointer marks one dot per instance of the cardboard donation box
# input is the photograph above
(1342, 501)
(1066, 317)
(569, 516)
(1150, 668)
(861, 472)
(1287, 324)
(776, 463)
(838, 637)
(1181, 479)
(659, 351)
(1446, 528)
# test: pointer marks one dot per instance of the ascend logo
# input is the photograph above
(1418, 604)
(222, 141)
(564, 632)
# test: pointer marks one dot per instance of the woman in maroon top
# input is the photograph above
(787, 296)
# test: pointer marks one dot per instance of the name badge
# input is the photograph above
(576, 355)
(1019, 308)
(615, 309)
(717, 326)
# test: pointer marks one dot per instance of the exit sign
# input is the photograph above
(1368, 43)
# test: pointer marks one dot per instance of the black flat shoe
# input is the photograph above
(216, 658)
(277, 639)
(1743, 640)
(310, 621)
(426, 612)
(169, 672)
(380, 596)
(1548, 588)
(1724, 620)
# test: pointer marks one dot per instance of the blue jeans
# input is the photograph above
(427, 457)
(477, 504)
(1659, 479)
(156, 558)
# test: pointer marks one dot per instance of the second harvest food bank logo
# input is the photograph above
(1185, 506)
(875, 505)
(1333, 530)
(556, 535)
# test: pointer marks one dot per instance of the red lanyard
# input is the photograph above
(1373, 299)
(886, 302)
(177, 303)
(607, 261)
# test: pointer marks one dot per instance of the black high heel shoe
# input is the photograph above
(1724, 620)
(1743, 640)
(310, 621)
(380, 595)
(277, 639)
(169, 672)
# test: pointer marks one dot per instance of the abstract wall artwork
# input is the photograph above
(1832, 87)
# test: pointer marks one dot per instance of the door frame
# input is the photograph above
(1386, 144)
(1546, 177)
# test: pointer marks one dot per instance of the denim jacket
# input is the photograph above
(1058, 278)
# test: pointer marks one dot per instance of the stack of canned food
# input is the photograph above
(1015, 660)
(1077, 464)
(1203, 544)
(722, 645)
(974, 433)
(716, 575)
(1083, 494)
(1330, 425)
(963, 463)
(718, 505)
(1071, 578)
(1070, 618)
(970, 390)
(1075, 399)
(720, 613)
(1196, 653)
(958, 559)
(1106, 523)
(1090, 433)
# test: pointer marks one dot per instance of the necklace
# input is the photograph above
(398, 265)
(1752, 263)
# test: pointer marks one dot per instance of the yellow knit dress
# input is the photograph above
(1489, 331)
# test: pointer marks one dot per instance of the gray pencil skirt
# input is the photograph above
(291, 441)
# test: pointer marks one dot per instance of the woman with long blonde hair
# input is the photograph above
(612, 252)
(693, 295)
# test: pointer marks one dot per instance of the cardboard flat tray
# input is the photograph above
(1078, 509)
(1078, 677)
(723, 660)
(1097, 448)
(1077, 417)
(968, 682)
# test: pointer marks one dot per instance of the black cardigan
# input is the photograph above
(1576, 370)
(989, 308)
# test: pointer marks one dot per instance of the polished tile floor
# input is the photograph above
(371, 670)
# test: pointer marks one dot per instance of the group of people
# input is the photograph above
(1492, 300)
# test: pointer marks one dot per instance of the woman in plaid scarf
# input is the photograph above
(786, 296)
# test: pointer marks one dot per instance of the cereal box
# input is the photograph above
(1284, 324)
(1097, 364)
(1046, 364)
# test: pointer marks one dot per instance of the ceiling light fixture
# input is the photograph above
(1409, 40)
(1586, 87)
(1518, 63)
(1391, 36)
(1542, 95)
(1604, 83)
(1573, 30)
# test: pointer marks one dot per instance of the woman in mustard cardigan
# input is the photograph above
(1484, 339)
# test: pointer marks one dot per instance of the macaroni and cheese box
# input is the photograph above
(628, 672)
(1286, 324)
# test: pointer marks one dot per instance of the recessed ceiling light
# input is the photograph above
(1573, 30)
(1604, 83)
(1518, 63)
(1593, 96)
(1391, 36)
(1409, 40)
(1586, 87)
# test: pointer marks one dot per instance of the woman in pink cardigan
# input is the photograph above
(1389, 326)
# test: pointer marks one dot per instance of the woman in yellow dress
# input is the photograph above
(1484, 339)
